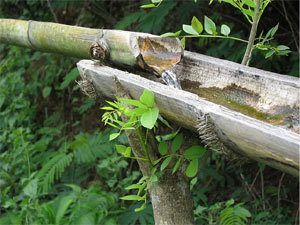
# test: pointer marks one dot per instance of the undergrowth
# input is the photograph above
(57, 165)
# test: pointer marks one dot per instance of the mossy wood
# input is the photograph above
(276, 145)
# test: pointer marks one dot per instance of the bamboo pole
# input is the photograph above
(124, 47)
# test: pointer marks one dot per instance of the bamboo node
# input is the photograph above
(99, 50)
(87, 86)
(208, 135)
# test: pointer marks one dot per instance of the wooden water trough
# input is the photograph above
(254, 113)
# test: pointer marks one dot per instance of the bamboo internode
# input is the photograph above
(129, 48)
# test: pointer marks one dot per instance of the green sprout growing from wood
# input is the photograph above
(252, 10)
(142, 117)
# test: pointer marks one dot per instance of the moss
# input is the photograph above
(225, 98)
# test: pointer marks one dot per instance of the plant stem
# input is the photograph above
(216, 36)
(137, 158)
(144, 146)
(249, 49)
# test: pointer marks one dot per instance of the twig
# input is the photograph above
(262, 188)
(253, 182)
(290, 25)
(297, 217)
(52, 11)
(247, 186)
(215, 36)
(278, 192)
(249, 49)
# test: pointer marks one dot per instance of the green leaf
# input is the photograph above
(113, 136)
(63, 205)
(274, 30)
(143, 206)
(249, 3)
(107, 108)
(171, 34)
(189, 29)
(123, 150)
(225, 30)
(182, 42)
(147, 98)
(194, 152)
(148, 6)
(197, 25)
(242, 212)
(46, 91)
(138, 111)
(192, 168)
(113, 104)
(31, 188)
(166, 137)
(209, 25)
(177, 142)
(269, 54)
(132, 198)
(248, 12)
(134, 186)
(163, 148)
(194, 181)
(177, 164)
(74, 187)
(230, 202)
(2, 99)
(282, 47)
(148, 119)
(156, 1)
(284, 52)
(71, 76)
(133, 102)
(153, 179)
(87, 218)
(157, 161)
(165, 163)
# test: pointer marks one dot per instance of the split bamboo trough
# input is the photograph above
(255, 113)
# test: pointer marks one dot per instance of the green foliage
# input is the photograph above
(145, 113)
(150, 22)
(140, 113)
(53, 169)
(43, 115)
(234, 214)
(39, 156)
(247, 8)
(225, 213)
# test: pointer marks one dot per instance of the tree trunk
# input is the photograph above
(172, 201)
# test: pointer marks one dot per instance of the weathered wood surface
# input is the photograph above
(275, 146)
(275, 93)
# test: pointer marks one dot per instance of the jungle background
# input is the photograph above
(57, 165)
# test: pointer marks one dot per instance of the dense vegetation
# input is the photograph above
(57, 165)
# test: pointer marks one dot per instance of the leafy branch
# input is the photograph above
(252, 10)
(143, 114)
